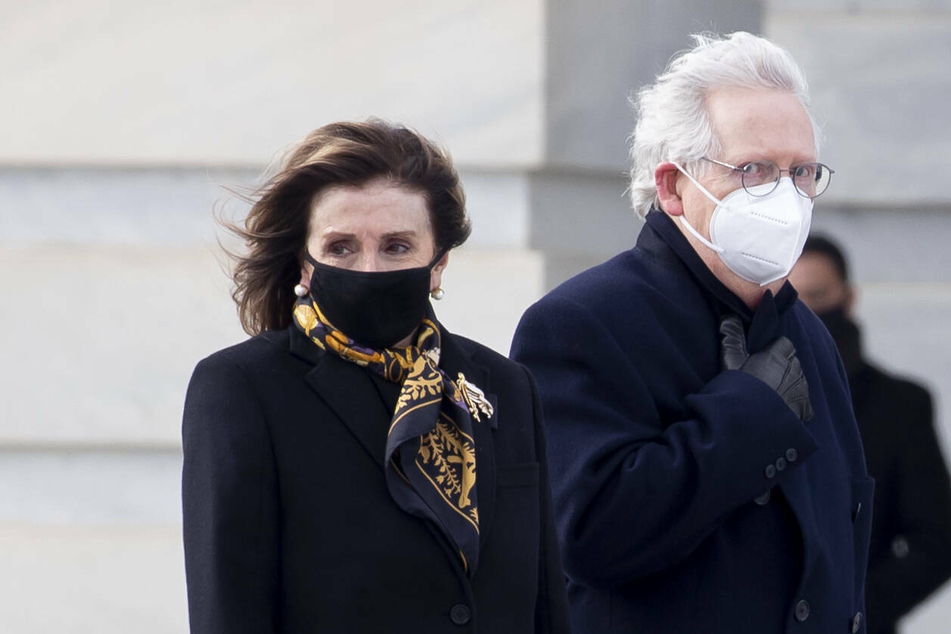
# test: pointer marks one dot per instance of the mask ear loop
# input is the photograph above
(683, 217)
(437, 293)
(436, 259)
(302, 290)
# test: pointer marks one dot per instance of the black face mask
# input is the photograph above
(846, 336)
(375, 309)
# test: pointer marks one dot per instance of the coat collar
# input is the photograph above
(343, 386)
(347, 389)
(664, 240)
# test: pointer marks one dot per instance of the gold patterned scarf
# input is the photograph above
(430, 453)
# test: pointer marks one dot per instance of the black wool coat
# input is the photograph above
(288, 523)
(910, 552)
(688, 498)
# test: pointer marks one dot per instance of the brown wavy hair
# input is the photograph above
(350, 153)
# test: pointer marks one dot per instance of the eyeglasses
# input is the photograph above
(810, 179)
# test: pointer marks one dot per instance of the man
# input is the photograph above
(910, 553)
(706, 467)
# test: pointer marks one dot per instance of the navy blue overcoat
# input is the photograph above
(688, 498)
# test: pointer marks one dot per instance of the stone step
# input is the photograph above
(100, 579)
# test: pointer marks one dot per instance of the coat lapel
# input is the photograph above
(346, 388)
(349, 391)
(453, 361)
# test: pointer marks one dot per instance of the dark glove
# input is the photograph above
(776, 365)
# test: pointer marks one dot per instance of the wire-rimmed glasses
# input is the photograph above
(810, 179)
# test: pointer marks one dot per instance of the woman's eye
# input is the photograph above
(339, 249)
(397, 248)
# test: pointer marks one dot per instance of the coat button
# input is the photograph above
(459, 614)
(802, 610)
(856, 622)
(780, 464)
(762, 499)
(770, 471)
(900, 548)
(792, 455)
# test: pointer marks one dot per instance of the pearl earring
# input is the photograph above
(437, 293)
(301, 291)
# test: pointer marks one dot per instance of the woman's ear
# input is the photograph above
(306, 270)
(435, 276)
(665, 179)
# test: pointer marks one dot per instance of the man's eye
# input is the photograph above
(754, 169)
(805, 172)
(397, 248)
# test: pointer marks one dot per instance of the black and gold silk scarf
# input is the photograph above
(430, 452)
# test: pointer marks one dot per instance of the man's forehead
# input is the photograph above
(757, 123)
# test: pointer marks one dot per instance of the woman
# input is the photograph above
(354, 467)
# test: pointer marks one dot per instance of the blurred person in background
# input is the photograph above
(910, 552)
(355, 467)
(707, 471)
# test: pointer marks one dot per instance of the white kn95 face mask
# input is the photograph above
(757, 237)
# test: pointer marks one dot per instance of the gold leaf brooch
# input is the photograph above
(474, 398)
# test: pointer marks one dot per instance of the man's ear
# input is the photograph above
(851, 296)
(665, 178)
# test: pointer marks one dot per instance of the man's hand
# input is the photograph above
(776, 365)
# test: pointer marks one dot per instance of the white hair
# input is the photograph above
(672, 121)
